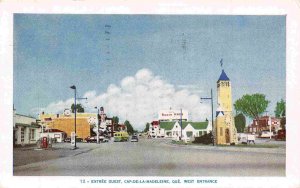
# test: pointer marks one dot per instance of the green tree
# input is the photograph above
(115, 119)
(280, 109)
(147, 127)
(240, 122)
(115, 122)
(252, 105)
(129, 127)
(79, 108)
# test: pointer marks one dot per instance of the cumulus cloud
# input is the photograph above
(139, 98)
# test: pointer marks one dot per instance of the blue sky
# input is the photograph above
(53, 52)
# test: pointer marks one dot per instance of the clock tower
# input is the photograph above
(225, 129)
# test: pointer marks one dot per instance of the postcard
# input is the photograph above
(161, 94)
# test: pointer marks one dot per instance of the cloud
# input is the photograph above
(139, 98)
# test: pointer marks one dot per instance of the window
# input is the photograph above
(221, 131)
(32, 134)
(22, 134)
(205, 132)
(200, 133)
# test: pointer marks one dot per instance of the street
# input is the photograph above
(149, 157)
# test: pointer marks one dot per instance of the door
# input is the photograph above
(227, 136)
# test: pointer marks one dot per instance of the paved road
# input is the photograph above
(155, 158)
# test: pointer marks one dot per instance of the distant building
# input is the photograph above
(262, 124)
(172, 129)
(65, 122)
(190, 129)
(26, 130)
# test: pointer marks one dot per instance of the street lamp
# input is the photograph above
(75, 98)
(74, 87)
(212, 114)
(97, 124)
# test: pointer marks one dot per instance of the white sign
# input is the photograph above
(166, 115)
(73, 135)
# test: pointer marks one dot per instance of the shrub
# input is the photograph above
(205, 139)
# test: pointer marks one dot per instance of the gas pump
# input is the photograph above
(44, 142)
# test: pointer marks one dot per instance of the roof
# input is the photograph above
(223, 76)
(34, 125)
(53, 130)
(167, 125)
(195, 125)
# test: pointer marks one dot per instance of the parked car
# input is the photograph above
(134, 138)
(79, 139)
(68, 139)
(102, 139)
(90, 139)
(281, 135)
(265, 134)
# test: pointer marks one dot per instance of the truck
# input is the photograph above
(246, 138)
(121, 136)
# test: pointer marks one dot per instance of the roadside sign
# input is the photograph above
(73, 138)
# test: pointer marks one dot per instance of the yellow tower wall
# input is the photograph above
(220, 130)
(224, 95)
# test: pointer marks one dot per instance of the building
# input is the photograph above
(26, 130)
(65, 122)
(262, 124)
(189, 129)
(225, 131)
(55, 134)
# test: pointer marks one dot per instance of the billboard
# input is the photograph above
(171, 115)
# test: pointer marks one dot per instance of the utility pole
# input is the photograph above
(212, 115)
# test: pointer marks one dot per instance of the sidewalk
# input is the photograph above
(278, 150)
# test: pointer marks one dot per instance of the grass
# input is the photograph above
(232, 146)
(181, 142)
(252, 146)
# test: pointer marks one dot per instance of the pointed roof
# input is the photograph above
(223, 76)
(195, 125)
(219, 111)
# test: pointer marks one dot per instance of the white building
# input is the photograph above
(55, 134)
(189, 129)
(26, 130)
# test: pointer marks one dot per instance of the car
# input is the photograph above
(90, 139)
(266, 134)
(134, 138)
(79, 139)
(68, 139)
(281, 135)
(103, 139)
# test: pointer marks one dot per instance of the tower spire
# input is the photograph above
(221, 63)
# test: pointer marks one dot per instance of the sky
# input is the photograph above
(144, 63)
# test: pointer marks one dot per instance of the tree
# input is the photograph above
(115, 122)
(252, 105)
(147, 127)
(129, 127)
(79, 108)
(240, 122)
(280, 109)
(115, 119)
